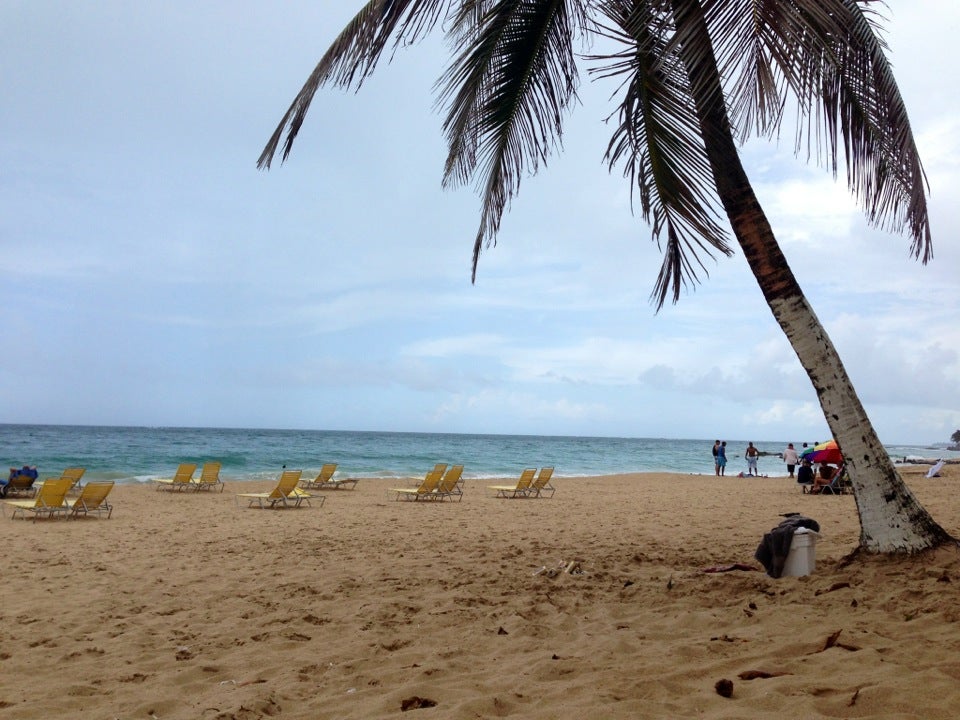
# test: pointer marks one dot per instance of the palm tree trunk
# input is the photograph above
(891, 518)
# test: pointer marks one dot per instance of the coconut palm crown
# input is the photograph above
(695, 78)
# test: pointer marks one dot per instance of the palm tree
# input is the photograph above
(695, 78)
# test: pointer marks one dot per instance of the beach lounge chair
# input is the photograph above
(344, 483)
(182, 479)
(541, 487)
(451, 485)
(326, 481)
(21, 482)
(74, 473)
(48, 500)
(92, 499)
(285, 495)
(838, 483)
(429, 485)
(209, 478)
(519, 489)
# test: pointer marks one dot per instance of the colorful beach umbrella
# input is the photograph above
(806, 453)
(826, 452)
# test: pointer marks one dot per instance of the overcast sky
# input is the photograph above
(153, 276)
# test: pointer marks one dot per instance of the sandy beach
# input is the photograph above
(190, 606)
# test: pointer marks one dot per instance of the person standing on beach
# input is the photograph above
(790, 457)
(751, 455)
(716, 465)
(722, 459)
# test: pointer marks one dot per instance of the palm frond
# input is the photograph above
(353, 56)
(744, 33)
(507, 92)
(830, 58)
(860, 95)
(658, 140)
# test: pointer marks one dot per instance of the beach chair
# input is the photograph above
(74, 473)
(285, 495)
(209, 478)
(838, 483)
(541, 487)
(325, 480)
(92, 499)
(429, 485)
(519, 489)
(48, 501)
(182, 479)
(451, 485)
(345, 483)
(21, 482)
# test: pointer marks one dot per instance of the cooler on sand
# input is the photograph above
(802, 558)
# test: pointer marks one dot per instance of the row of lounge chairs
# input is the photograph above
(438, 484)
(291, 489)
(286, 494)
(326, 481)
(530, 485)
(209, 479)
(23, 485)
(441, 483)
(50, 498)
(183, 479)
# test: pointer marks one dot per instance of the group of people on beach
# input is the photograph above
(804, 473)
(720, 459)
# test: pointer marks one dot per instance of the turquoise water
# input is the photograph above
(132, 454)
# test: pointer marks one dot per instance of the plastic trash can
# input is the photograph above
(802, 558)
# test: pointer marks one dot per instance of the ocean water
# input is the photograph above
(139, 454)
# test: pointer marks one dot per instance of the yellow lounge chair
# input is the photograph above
(209, 478)
(22, 482)
(325, 480)
(429, 485)
(541, 486)
(48, 501)
(92, 499)
(518, 490)
(286, 494)
(74, 474)
(182, 480)
(452, 484)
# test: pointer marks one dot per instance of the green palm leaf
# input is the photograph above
(507, 93)
(829, 59)
(659, 141)
(353, 56)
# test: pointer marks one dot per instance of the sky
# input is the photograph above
(155, 277)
